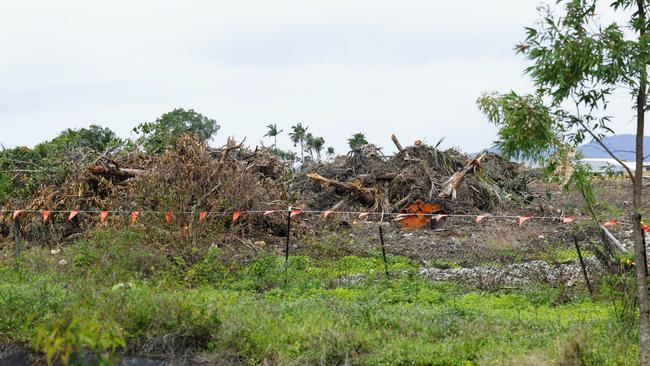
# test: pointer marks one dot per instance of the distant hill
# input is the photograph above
(622, 145)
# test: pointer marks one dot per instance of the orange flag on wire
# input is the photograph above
(523, 219)
(202, 215)
(401, 217)
(610, 223)
(45, 214)
(327, 213)
(295, 212)
(168, 217)
(73, 214)
(440, 217)
(645, 228)
(134, 217)
(568, 219)
(103, 216)
(15, 214)
(235, 215)
(480, 218)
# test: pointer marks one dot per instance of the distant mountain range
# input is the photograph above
(622, 145)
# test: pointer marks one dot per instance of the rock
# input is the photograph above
(516, 274)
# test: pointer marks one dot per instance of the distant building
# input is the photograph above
(605, 166)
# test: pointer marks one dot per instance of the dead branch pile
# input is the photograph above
(187, 179)
(367, 180)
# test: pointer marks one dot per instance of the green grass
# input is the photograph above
(115, 295)
(563, 255)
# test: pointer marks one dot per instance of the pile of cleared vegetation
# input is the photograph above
(366, 179)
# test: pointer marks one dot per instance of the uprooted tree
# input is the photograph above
(577, 63)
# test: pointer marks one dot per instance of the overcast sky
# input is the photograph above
(410, 67)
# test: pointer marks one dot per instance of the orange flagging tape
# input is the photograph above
(523, 219)
(568, 219)
(134, 217)
(480, 218)
(610, 223)
(295, 211)
(103, 216)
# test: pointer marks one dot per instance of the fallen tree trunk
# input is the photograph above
(367, 195)
(115, 172)
(613, 245)
(457, 178)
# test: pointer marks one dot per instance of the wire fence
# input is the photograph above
(497, 265)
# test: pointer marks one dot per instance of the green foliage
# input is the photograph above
(526, 128)
(357, 141)
(298, 135)
(314, 144)
(330, 152)
(80, 340)
(156, 136)
(25, 167)
(320, 311)
(576, 58)
(273, 131)
(97, 138)
(49, 161)
(26, 302)
(577, 62)
(210, 270)
(4, 186)
(284, 154)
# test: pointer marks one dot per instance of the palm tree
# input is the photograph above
(317, 144)
(298, 135)
(309, 145)
(273, 132)
(330, 152)
(357, 141)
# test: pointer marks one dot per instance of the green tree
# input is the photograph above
(98, 138)
(330, 152)
(273, 132)
(309, 145)
(314, 145)
(163, 132)
(317, 145)
(357, 141)
(298, 134)
(284, 154)
(23, 170)
(578, 62)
